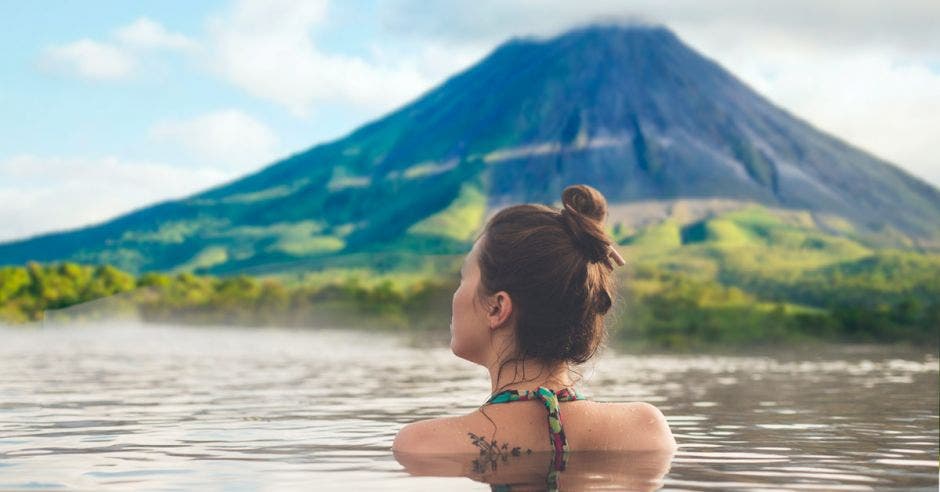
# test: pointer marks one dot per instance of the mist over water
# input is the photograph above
(142, 406)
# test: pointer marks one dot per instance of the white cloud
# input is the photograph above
(113, 60)
(435, 61)
(266, 49)
(228, 138)
(89, 60)
(146, 33)
(49, 193)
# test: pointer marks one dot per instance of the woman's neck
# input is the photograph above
(528, 374)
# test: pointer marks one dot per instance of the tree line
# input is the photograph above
(655, 308)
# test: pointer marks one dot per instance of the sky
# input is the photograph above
(109, 105)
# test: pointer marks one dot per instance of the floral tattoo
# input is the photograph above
(492, 453)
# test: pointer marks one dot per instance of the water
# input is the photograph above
(130, 408)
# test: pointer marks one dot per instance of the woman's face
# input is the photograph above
(469, 326)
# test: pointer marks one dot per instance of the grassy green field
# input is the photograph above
(746, 277)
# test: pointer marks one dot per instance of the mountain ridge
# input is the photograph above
(629, 110)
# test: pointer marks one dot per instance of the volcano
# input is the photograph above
(630, 110)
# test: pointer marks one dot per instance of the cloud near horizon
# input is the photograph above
(226, 139)
(86, 191)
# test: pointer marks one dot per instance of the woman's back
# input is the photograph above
(523, 427)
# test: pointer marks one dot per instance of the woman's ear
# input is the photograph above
(500, 309)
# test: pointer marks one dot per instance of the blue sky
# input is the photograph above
(112, 105)
(61, 112)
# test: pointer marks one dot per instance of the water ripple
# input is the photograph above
(189, 408)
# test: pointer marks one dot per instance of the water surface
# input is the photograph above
(173, 408)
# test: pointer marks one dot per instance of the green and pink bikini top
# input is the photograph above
(556, 432)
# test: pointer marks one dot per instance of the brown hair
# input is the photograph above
(554, 265)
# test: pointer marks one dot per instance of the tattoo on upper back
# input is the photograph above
(492, 453)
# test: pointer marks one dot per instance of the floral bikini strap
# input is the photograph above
(556, 432)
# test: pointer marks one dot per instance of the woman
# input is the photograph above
(531, 303)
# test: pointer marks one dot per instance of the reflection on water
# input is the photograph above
(536, 471)
(186, 408)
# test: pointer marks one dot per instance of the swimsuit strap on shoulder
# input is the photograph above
(556, 432)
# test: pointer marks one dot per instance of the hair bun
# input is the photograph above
(584, 212)
(586, 201)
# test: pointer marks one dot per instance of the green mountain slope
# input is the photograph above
(629, 110)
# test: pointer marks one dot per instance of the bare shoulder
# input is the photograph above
(636, 426)
(430, 436)
(428, 447)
